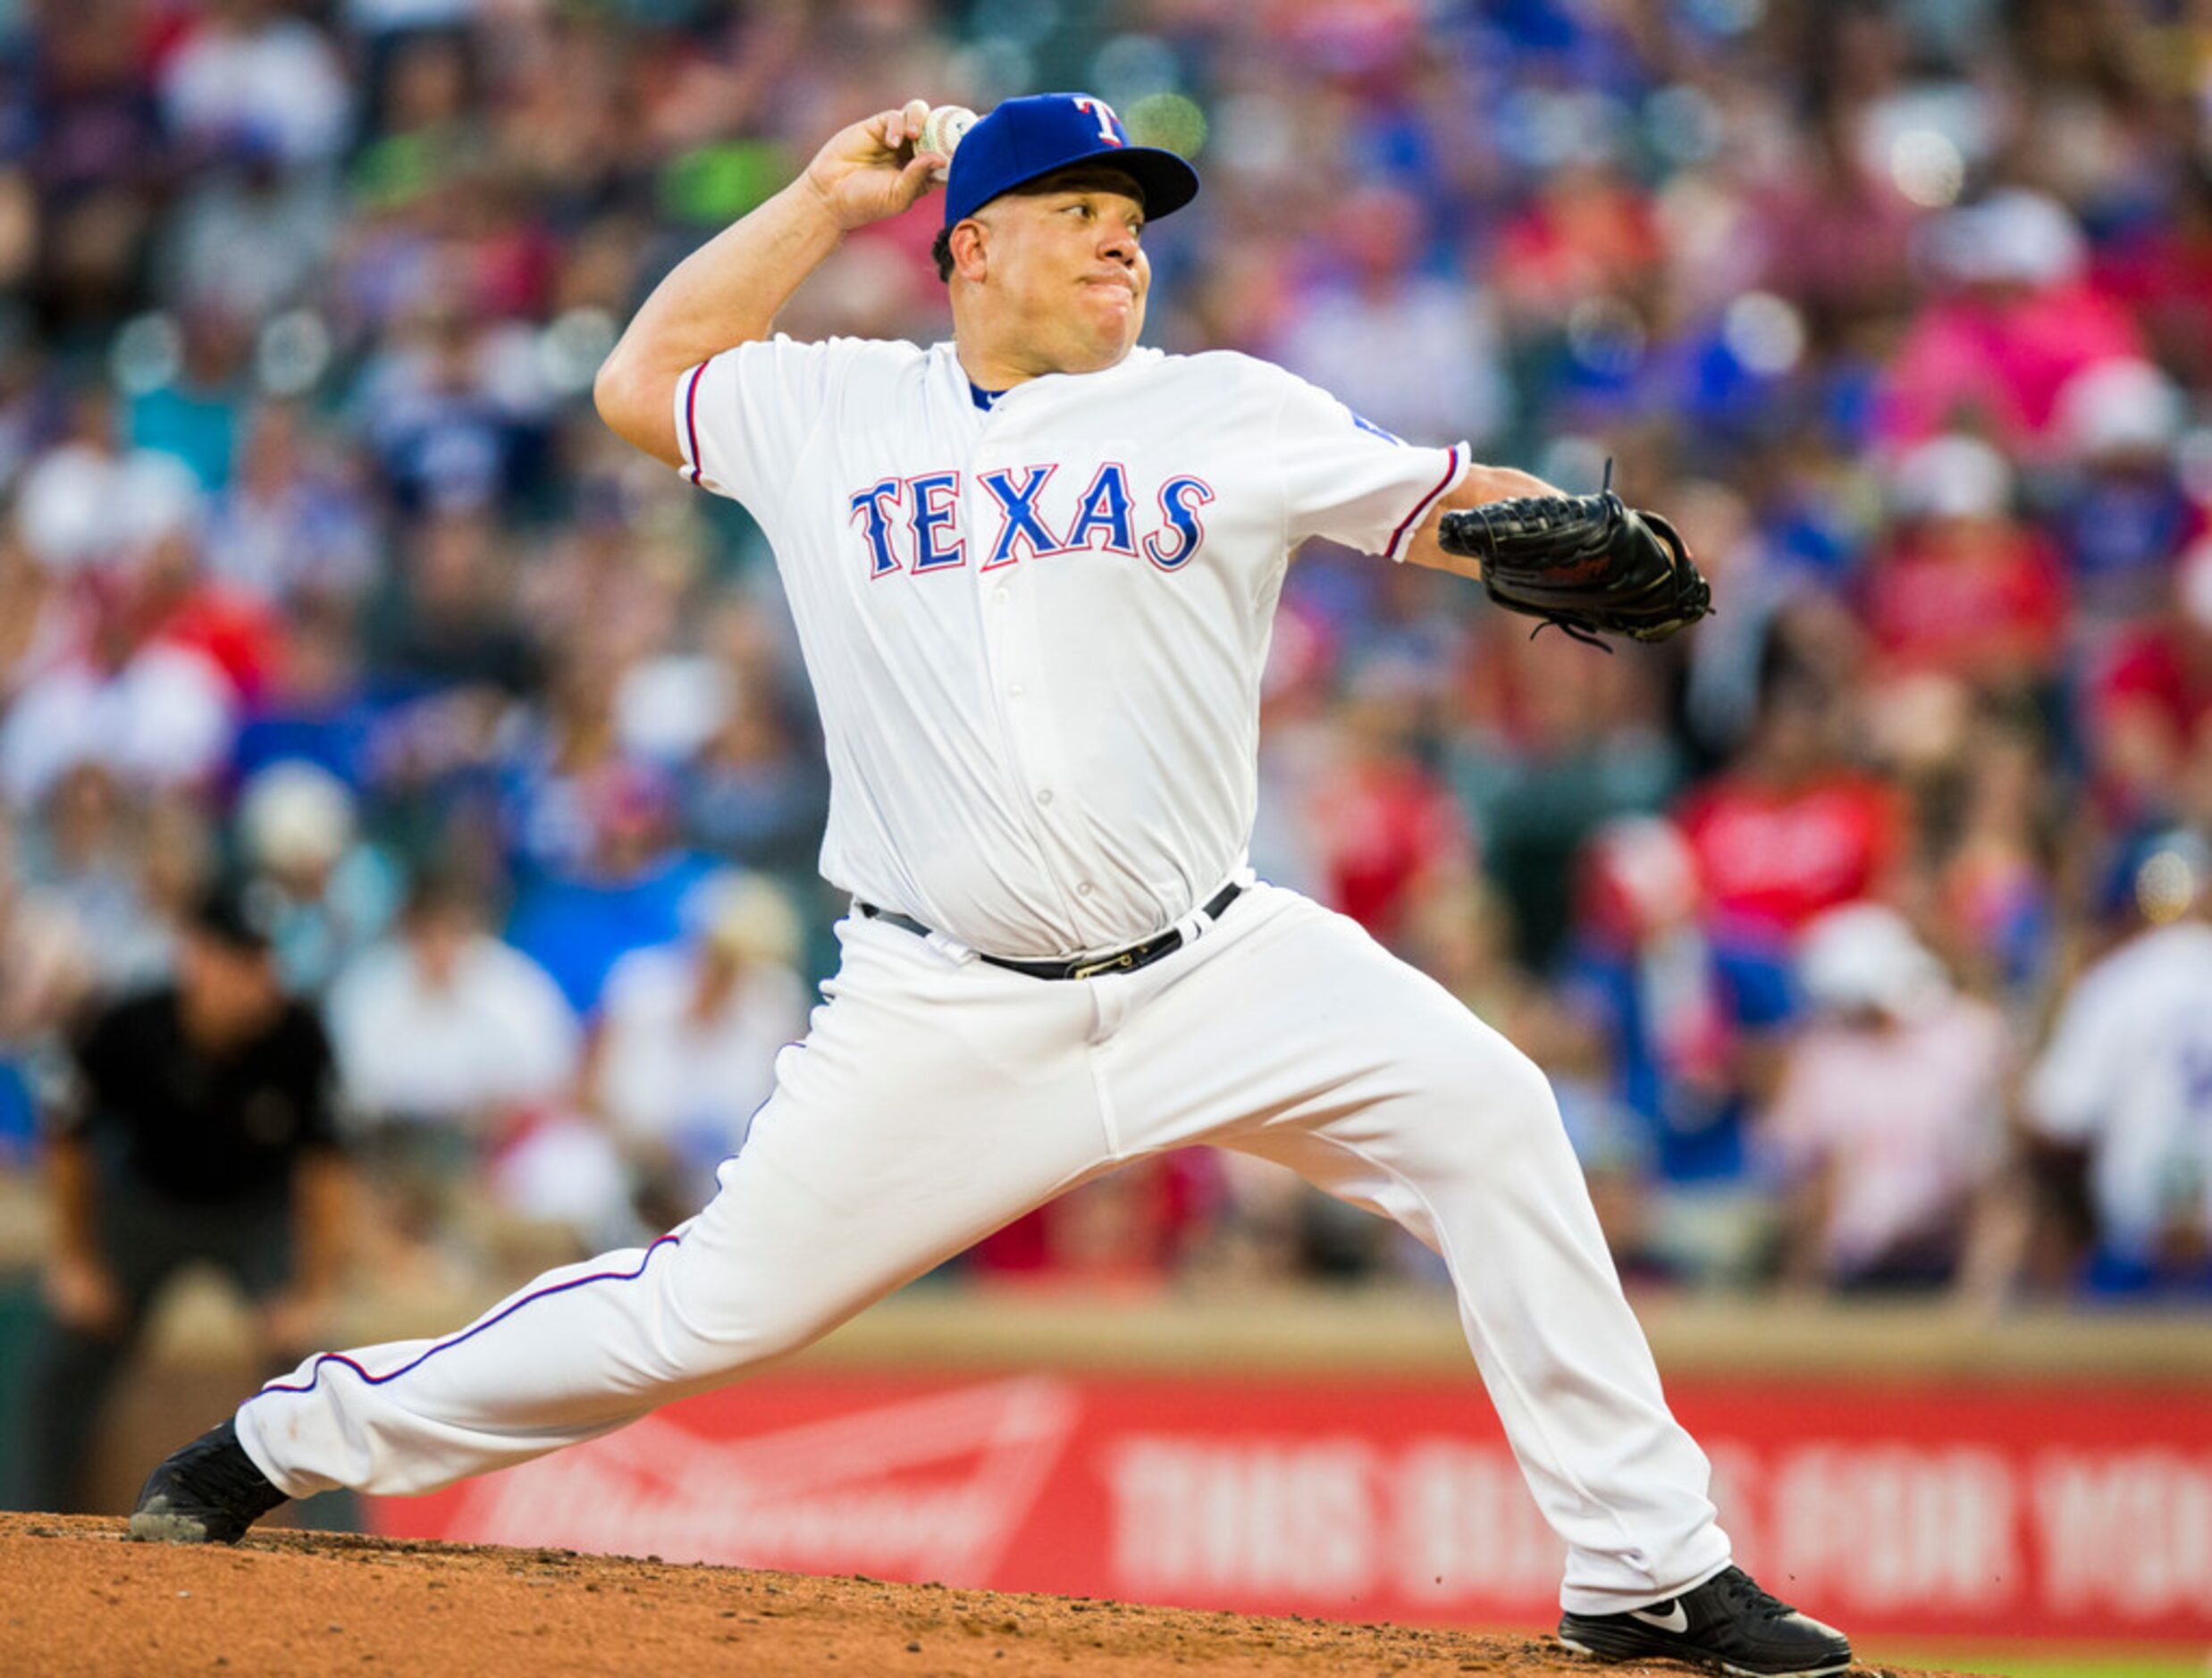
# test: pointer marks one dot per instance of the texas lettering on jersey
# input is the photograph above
(917, 524)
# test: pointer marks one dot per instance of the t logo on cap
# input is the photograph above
(1109, 124)
(1024, 140)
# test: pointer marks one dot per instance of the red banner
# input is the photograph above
(2045, 1512)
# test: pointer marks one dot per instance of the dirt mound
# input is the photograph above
(81, 1599)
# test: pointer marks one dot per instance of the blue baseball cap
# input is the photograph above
(1023, 140)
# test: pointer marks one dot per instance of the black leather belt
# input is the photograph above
(1082, 967)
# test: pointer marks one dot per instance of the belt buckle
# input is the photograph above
(1126, 959)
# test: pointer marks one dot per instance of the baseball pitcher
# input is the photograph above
(1033, 571)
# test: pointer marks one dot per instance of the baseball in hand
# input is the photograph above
(941, 132)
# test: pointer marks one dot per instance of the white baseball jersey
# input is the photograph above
(1036, 630)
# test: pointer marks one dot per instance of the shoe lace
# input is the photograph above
(1743, 1594)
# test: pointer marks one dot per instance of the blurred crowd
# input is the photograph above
(1863, 930)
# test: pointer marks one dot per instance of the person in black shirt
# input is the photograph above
(199, 1129)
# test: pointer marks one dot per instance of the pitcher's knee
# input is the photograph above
(1518, 1084)
(736, 1336)
(1488, 1112)
(1481, 1069)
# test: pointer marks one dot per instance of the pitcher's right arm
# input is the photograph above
(730, 289)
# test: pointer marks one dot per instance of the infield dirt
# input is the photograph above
(76, 1596)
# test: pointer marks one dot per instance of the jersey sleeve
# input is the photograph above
(744, 418)
(1348, 480)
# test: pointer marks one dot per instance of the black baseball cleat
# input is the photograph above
(207, 1493)
(1726, 1623)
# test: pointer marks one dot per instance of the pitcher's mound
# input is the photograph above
(81, 1599)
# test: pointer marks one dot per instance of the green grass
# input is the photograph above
(2085, 1663)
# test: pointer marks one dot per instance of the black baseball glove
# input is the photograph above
(1584, 562)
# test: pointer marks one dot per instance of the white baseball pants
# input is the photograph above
(937, 1097)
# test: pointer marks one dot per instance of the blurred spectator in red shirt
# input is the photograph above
(1129, 1230)
(1391, 827)
(1794, 828)
(1965, 590)
(2162, 268)
(151, 679)
(2148, 701)
(129, 530)
(1588, 233)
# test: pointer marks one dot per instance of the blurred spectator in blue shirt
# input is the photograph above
(624, 891)
(2121, 516)
(1693, 1019)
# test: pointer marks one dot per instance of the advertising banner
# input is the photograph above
(2037, 1512)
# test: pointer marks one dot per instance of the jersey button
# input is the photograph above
(998, 595)
(1084, 888)
(1014, 692)
(1044, 795)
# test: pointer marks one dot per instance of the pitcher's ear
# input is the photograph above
(968, 244)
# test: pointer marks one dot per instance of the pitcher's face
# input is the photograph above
(1063, 273)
